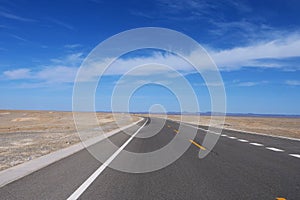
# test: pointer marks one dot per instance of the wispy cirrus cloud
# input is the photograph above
(3, 26)
(214, 15)
(191, 10)
(9, 15)
(19, 38)
(244, 29)
(72, 46)
(168, 10)
(250, 83)
(61, 23)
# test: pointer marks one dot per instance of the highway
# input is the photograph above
(240, 166)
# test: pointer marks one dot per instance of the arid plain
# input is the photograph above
(25, 135)
(287, 127)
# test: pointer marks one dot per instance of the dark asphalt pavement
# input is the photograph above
(257, 167)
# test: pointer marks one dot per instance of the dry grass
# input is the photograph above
(25, 135)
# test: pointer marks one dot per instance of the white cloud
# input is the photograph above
(293, 82)
(248, 56)
(57, 74)
(69, 60)
(72, 46)
(248, 84)
(64, 69)
(263, 54)
(229, 59)
(23, 73)
(152, 65)
(50, 74)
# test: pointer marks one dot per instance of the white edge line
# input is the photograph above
(19, 171)
(91, 179)
(263, 134)
(242, 140)
(202, 129)
(242, 131)
(275, 149)
(295, 155)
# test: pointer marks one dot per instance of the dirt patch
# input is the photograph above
(24, 119)
(5, 113)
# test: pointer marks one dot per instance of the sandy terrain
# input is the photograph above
(289, 127)
(25, 135)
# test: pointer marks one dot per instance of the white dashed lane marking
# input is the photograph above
(252, 143)
(275, 149)
(256, 144)
(242, 140)
(295, 155)
(260, 145)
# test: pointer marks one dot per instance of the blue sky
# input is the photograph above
(255, 44)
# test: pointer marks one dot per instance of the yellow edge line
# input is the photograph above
(176, 131)
(197, 145)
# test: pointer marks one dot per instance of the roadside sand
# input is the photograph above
(288, 127)
(25, 135)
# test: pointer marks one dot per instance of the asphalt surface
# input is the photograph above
(240, 166)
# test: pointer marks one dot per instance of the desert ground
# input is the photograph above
(25, 135)
(287, 127)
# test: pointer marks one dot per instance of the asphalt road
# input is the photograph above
(240, 166)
